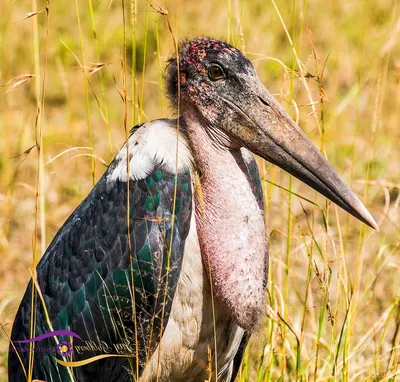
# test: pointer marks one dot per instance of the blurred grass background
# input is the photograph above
(334, 309)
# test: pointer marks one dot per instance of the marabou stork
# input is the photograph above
(143, 257)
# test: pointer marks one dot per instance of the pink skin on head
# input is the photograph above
(198, 50)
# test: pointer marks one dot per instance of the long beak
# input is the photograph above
(275, 137)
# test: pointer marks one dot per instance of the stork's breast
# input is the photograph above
(188, 340)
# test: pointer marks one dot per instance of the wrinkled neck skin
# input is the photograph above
(230, 223)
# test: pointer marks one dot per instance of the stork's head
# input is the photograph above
(219, 85)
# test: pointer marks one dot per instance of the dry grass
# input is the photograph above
(334, 311)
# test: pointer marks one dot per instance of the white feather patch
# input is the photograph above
(153, 143)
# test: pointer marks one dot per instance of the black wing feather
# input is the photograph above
(86, 278)
(239, 355)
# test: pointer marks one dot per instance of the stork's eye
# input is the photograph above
(215, 72)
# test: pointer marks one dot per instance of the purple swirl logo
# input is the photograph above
(63, 348)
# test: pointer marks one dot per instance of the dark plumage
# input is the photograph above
(86, 271)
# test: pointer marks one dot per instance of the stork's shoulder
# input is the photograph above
(154, 143)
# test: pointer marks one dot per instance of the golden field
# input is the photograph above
(334, 288)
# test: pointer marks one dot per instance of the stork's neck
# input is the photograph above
(230, 223)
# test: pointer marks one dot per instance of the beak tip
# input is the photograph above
(373, 224)
(366, 216)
